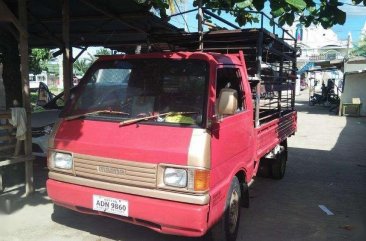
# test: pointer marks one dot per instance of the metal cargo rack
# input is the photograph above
(270, 59)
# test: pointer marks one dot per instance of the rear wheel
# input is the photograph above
(264, 169)
(279, 164)
(227, 227)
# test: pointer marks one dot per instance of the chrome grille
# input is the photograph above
(115, 171)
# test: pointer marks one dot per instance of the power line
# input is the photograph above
(184, 19)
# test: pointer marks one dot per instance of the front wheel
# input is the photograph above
(227, 227)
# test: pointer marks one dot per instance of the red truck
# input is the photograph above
(170, 141)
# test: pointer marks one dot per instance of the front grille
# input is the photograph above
(115, 171)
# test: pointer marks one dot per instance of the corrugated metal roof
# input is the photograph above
(110, 23)
(122, 25)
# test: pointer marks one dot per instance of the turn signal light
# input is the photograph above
(201, 180)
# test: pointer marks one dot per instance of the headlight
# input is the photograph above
(175, 177)
(184, 178)
(61, 160)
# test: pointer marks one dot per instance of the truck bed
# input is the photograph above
(273, 132)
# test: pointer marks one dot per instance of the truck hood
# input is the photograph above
(136, 142)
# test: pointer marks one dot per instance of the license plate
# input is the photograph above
(110, 205)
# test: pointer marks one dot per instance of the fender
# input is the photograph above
(219, 194)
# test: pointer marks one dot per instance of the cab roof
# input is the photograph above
(216, 58)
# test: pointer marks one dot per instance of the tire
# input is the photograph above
(279, 164)
(226, 229)
(264, 169)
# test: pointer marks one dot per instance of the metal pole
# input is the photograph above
(23, 49)
(67, 58)
(200, 26)
(280, 81)
(348, 44)
(259, 72)
(293, 72)
(220, 18)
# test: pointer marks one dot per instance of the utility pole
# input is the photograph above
(200, 27)
(348, 44)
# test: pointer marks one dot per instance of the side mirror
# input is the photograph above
(44, 95)
(228, 102)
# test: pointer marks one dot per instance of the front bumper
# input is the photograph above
(163, 216)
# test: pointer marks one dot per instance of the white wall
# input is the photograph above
(355, 87)
(354, 67)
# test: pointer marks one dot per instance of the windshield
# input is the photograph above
(130, 89)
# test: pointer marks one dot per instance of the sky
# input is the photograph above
(356, 19)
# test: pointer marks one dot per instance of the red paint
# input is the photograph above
(138, 142)
(235, 147)
(212, 58)
(172, 217)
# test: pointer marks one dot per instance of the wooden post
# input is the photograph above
(67, 58)
(23, 50)
(7, 15)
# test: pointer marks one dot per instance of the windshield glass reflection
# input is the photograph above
(130, 89)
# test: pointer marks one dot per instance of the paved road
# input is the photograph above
(327, 166)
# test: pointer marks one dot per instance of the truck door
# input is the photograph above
(232, 137)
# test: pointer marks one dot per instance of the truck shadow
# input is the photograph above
(111, 228)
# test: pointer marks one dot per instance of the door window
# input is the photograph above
(231, 78)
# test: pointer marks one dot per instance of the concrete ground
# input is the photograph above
(327, 166)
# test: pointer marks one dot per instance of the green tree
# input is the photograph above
(360, 48)
(38, 59)
(103, 51)
(81, 66)
(324, 12)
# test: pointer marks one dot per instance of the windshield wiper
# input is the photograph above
(135, 120)
(95, 112)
